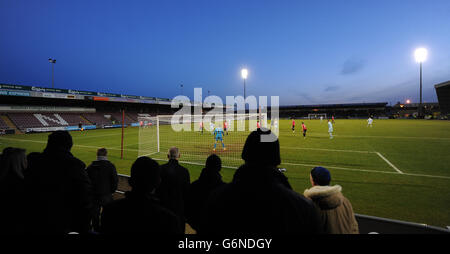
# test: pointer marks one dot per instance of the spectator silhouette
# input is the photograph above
(174, 187)
(140, 211)
(336, 212)
(58, 188)
(259, 199)
(13, 163)
(104, 179)
(209, 180)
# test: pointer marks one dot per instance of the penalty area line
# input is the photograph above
(389, 163)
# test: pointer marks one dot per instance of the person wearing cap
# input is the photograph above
(209, 180)
(335, 210)
(259, 200)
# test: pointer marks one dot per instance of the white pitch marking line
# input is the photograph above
(324, 149)
(388, 162)
(332, 167)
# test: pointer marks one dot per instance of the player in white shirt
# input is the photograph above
(369, 122)
(330, 129)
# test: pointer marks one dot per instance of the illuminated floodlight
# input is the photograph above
(421, 55)
(408, 101)
(244, 73)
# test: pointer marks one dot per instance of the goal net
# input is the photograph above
(320, 116)
(194, 136)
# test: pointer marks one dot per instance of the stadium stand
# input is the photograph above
(117, 117)
(352, 110)
(443, 94)
(73, 119)
(133, 116)
(24, 120)
(97, 119)
(37, 120)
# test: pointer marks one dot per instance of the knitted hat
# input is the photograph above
(321, 176)
(262, 147)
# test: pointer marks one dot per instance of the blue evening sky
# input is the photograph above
(306, 52)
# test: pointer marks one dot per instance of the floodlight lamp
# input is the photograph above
(244, 73)
(421, 55)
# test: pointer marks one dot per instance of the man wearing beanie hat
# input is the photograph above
(259, 199)
(335, 210)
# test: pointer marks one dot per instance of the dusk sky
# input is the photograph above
(306, 52)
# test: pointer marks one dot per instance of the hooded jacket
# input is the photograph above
(336, 212)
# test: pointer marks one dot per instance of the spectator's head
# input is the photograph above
(13, 161)
(173, 154)
(213, 163)
(320, 176)
(59, 140)
(145, 175)
(102, 153)
(262, 148)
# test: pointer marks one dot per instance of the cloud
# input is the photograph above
(352, 66)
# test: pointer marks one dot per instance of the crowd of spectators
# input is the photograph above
(53, 192)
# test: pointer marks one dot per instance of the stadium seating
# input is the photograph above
(133, 116)
(118, 118)
(3, 125)
(73, 119)
(25, 120)
(38, 120)
(97, 118)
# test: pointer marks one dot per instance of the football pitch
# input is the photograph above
(398, 169)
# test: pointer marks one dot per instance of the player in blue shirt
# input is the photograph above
(218, 136)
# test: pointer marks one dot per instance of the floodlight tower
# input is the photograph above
(244, 74)
(421, 55)
(53, 61)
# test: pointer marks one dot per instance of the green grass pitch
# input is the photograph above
(398, 169)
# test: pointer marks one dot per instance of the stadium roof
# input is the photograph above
(443, 84)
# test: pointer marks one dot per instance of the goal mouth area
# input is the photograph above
(197, 136)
